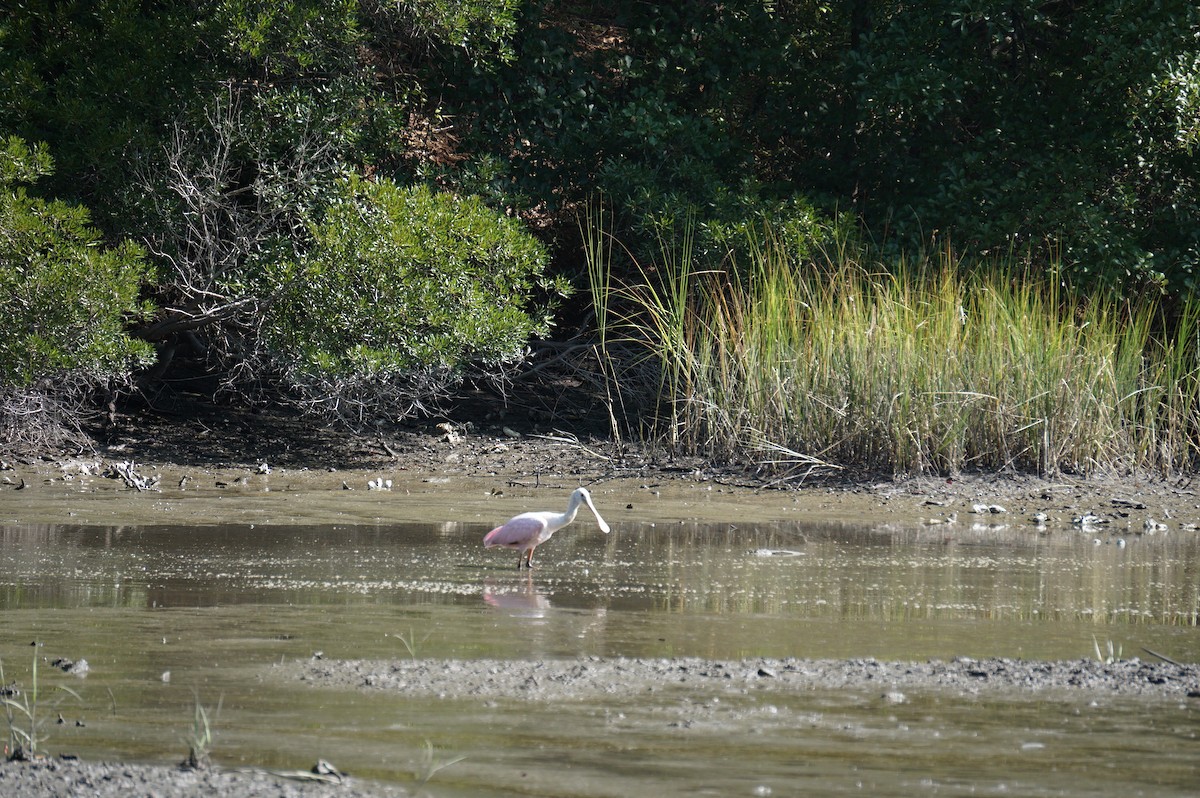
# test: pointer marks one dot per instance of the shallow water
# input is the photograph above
(168, 614)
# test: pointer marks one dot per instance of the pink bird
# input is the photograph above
(527, 531)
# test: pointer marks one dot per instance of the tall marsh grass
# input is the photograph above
(921, 367)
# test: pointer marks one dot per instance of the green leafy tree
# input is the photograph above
(1065, 131)
(401, 292)
(66, 300)
(316, 93)
(659, 107)
(99, 82)
(1062, 129)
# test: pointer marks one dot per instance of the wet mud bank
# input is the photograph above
(595, 677)
(487, 478)
(63, 777)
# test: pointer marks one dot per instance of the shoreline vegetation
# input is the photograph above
(933, 366)
(874, 237)
(871, 236)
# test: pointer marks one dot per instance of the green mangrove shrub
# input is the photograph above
(64, 297)
(402, 290)
(66, 300)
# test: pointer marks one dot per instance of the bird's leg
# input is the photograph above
(529, 560)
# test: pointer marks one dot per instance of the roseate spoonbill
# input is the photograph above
(527, 531)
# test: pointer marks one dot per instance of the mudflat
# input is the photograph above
(245, 470)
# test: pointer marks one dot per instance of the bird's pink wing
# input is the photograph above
(517, 532)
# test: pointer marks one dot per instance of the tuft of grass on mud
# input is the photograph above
(26, 713)
(199, 738)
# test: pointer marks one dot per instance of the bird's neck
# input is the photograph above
(570, 514)
(572, 509)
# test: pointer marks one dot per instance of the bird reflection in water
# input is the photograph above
(523, 601)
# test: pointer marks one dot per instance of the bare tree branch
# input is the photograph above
(219, 199)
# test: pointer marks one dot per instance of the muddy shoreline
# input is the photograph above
(490, 475)
(234, 466)
(595, 677)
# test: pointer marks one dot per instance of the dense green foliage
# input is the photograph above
(66, 299)
(1057, 137)
(1059, 129)
(98, 82)
(658, 107)
(1017, 125)
(400, 282)
(223, 139)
